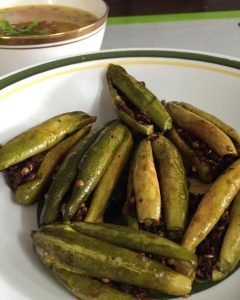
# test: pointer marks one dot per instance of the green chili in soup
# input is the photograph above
(42, 19)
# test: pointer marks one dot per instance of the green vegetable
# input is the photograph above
(77, 281)
(136, 240)
(145, 184)
(94, 164)
(30, 192)
(8, 29)
(108, 181)
(212, 206)
(231, 132)
(173, 184)
(104, 260)
(42, 137)
(132, 222)
(125, 113)
(86, 288)
(200, 127)
(230, 251)
(136, 93)
(130, 203)
(65, 176)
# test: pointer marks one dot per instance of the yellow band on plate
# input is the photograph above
(175, 63)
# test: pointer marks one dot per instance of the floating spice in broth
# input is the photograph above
(42, 19)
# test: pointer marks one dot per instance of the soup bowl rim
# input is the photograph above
(61, 37)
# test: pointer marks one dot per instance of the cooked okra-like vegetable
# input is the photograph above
(104, 260)
(173, 184)
(134, 239)
(132, 222)
(230, 251)
(65, 176)
(93, 165)
(212, 206)
(145, 184)
(206, 131)
(231, 132)
(30, 192)
(137, 94)
(125, 113)
(108, 181)
(42, 137)
(49, 260)
(130, 210)
(78, 282)
(87, 288)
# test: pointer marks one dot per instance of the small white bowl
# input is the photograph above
(19, 52)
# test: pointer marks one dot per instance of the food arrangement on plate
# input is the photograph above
(140, 205)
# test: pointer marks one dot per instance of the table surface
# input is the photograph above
(209, 26)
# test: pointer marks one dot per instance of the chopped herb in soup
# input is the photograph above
(42, 19)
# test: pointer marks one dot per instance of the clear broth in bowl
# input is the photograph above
(53, 18)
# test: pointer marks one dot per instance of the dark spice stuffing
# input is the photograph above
(139, 293)
(208, 251)
(24, 171)
(154, 227)
(200, 148)
(143, 117)
(194, 201)
(124, 104)
(205, 154)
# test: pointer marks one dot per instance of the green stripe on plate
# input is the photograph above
(132, 53)
(174, 17)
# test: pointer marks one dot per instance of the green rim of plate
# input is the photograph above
(155, 53)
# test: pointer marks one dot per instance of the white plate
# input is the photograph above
(78, 83)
